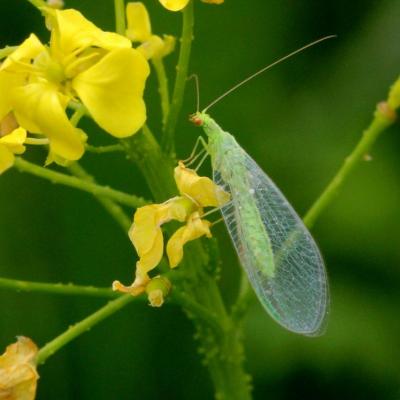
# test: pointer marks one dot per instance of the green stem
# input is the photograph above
(383, 118)
(38, 3)
(97, 190)
(144, 150)
(6, 51)
(119, 7)
(162, 88)
(181, 78)
(113, 209)
(104, 149)
(221, 347)
(81, 327)
(176, 297)
(57, 288)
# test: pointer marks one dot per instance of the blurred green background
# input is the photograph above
(298, 121)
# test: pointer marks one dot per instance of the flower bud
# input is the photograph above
(157, 289)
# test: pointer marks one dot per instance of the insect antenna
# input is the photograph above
(237, 86)
(195, 77)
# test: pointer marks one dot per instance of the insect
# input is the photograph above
(278, 253)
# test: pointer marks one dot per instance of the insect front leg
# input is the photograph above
(202, 153)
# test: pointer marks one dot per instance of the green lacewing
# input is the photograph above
(278, 253)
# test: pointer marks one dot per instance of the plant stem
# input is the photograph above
(162, 88)
(181, 78)
(57, 288)
(104, 149)
(113, 209)
(81, 327)
(144, 150)
(176, 297)
(221, 348)
(383, 118)
(60, 178)
(119, 7)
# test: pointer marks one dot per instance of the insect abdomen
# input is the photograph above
(251, 239)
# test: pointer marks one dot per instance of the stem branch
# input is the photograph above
(81, 327)
(113, 209)
(181, 78)
(57, 288)
(119, 7)
(383, 118)
(162, 88)
(72, 181)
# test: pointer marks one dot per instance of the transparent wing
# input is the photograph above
(297, 295)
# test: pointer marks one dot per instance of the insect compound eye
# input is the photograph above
(196, 120)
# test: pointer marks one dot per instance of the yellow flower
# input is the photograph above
(12, 140)
(174, 5)
(202, 190)
(18, 376)
(139, 30)
(82, 62)
(194, 229)
(177, 5)
(146, 233)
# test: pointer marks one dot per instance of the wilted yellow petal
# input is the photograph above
(194, 229)
(139, 26)
(6, 159)
(44, 106)
(174, 5)
(112, 90)
(18, 376)
(144, 228)
(8, 124)
(201, 189)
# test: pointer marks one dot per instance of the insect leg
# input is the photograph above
(200, 140)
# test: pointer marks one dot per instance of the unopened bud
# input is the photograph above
(157, 289)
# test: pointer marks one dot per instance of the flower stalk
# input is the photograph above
(384, 116)
(72, 181)
(81, 327)
(181, 78)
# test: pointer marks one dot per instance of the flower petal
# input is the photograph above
(6, 159)
(213, 1)
(194, 229)
(174, 5)
(29, 49)
(201, 189)
(112, 90)
(72, 31)
(18, 376)
(139, 26)
(42, 104)
(15, 140)
(145, 228)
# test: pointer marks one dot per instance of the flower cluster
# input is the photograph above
(82, 63)
(196, 193)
